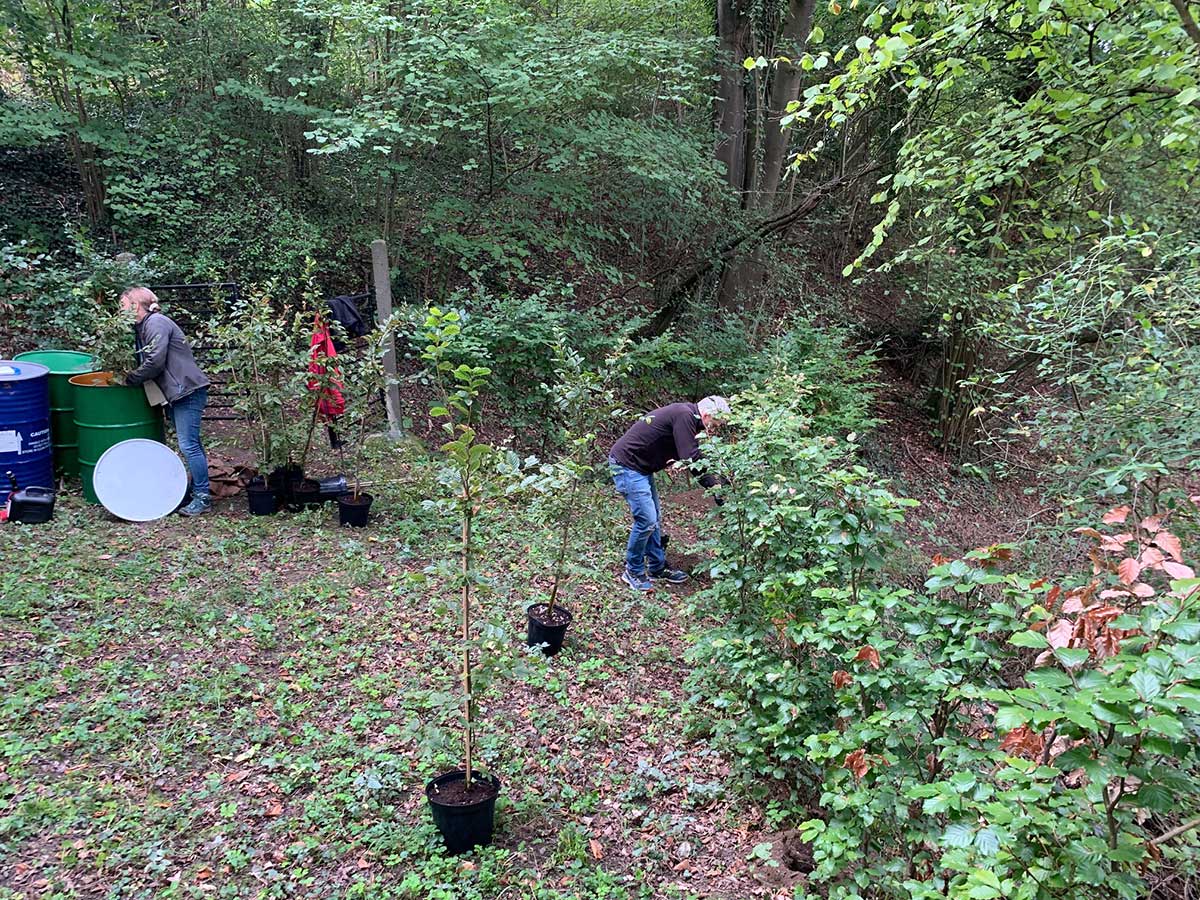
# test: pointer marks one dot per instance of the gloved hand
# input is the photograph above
(718, 499)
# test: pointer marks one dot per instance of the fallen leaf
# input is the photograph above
(274, 808)
(204, 874)
(597, 850)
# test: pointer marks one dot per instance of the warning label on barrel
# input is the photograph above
(10, 442)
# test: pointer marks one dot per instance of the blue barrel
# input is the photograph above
(25, 448)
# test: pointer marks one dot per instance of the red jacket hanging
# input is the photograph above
(331, 403)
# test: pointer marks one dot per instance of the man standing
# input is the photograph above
(655, 441)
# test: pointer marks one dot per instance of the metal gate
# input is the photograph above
(192, 306)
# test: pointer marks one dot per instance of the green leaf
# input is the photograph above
(1009, 717)
(1072, 656)
(958, 835)
(1029, 639)
(863, 44)
(1146, 684)
(1168, 725)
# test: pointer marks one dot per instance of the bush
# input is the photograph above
(996, 735)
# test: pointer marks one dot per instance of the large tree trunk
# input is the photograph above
(785, 87)
(733, 33)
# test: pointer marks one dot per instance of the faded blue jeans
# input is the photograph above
(185, 414)
(645, 537)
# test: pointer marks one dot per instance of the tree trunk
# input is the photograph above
(733, 32)
(785, 87)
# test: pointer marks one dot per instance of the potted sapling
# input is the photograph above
(577, 399)
(463, 800)
(319, 396)
(364, 380)
(261, 361)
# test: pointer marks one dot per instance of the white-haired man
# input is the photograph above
(652, 443)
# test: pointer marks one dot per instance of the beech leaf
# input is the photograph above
(1116, 516)
(1128, 570)
(870, 656)
(1178, 570)
(856, 762)
(1169, 543)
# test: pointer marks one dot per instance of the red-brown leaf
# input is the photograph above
(1151, 523)
(597, 850)
(1151, 558)
(939, 560)
(1052, 596)
(856, 762)
(1090, 532)
(1169, 543)
(1128, 570)
(870, 656)
(1116, 516)
(1115, 543)
(1023, 741)
(1178, 570)
(842, 678)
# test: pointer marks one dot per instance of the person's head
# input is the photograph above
(140, 301)
(713, 412)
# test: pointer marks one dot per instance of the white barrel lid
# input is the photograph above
(140, 480)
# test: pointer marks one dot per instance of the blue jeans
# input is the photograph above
(185, 414)
(645, 538)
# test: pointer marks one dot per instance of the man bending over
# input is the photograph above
(656, 440)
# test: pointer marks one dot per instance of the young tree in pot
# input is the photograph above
(364, 379)
(463, 800)
(580, 396)
(261, 360)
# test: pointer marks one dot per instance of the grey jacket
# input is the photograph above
(166, 357)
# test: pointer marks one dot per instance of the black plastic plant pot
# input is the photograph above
(304, 493)
(546, 629)
(463, 816)
(354, 512)
(262, 498)
(281, 479)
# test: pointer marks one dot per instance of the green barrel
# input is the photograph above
(63, 364)
(106, 415)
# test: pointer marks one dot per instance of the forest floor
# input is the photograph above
(250, 707)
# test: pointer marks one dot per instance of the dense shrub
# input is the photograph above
(995, 735)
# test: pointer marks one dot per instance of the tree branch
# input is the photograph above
(676, 291)
(1189, 24)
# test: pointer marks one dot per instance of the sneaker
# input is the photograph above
(670, 576)
(636, 581)
(200, 504)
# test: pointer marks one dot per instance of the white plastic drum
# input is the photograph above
(140, 480)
